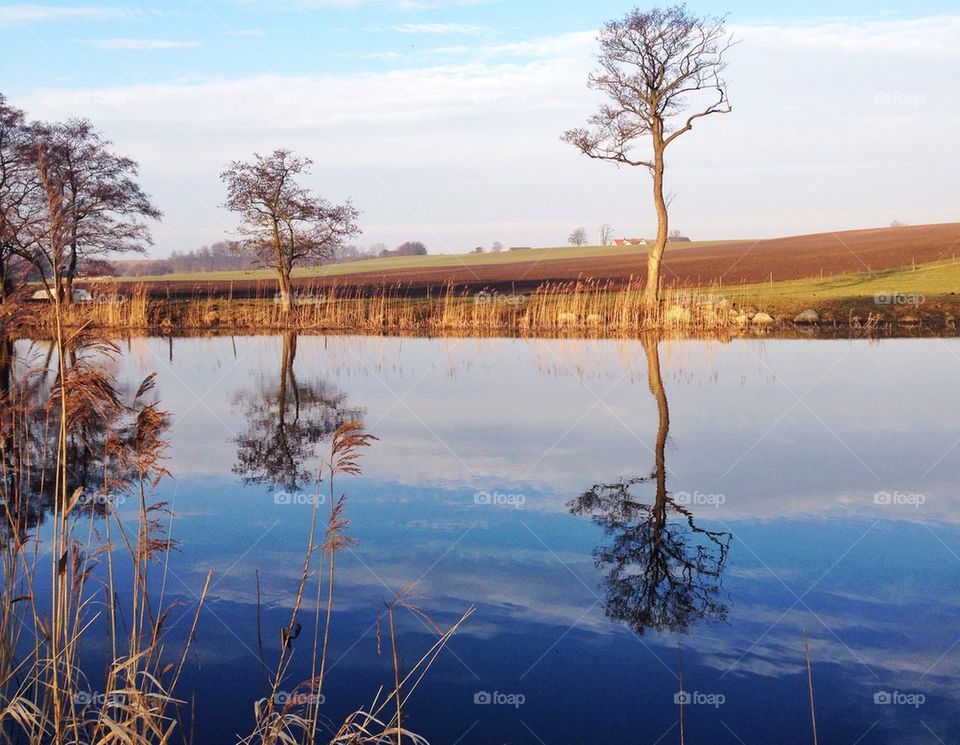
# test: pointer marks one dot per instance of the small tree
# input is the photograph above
(661, 71)
(284, 225)
(606, 234)
(411, 248)
(578, 237)
(497, 247)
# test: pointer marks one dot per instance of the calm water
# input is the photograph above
(609, 507)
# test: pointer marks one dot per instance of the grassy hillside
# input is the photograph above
(937, 278)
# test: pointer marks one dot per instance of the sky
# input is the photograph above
(441, 119)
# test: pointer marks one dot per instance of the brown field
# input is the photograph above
(731, 263)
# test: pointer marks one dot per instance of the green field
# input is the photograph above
(938, 278)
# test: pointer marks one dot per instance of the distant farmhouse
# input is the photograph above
(648, 241)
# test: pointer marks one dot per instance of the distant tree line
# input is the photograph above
(220, 257)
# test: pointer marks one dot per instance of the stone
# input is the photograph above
(762, 319)
(807, 316)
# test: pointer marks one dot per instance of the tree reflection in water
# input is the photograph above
(663, 571)
(286, 418)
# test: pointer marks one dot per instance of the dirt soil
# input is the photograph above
(730, 263)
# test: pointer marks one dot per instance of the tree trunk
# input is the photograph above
(651, 291)
(283, 270)
(284, 291)
(651, 347)
(70, 274)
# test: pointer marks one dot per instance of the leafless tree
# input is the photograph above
(92, 205)
(283, 223)
(497, 247)
(661, 71)
(606, 234)
(18, 184)
(578, 237)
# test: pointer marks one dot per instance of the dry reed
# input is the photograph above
(586, 305)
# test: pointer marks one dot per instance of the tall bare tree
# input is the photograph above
(283, 223)
(18, 183)
(606, 234)
(93, 205)
(660, 71)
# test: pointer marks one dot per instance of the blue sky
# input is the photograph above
(441, 118)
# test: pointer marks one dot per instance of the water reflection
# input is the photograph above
(285, 419)
(101, 431)
(663, 571)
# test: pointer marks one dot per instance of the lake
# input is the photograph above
(619, 512)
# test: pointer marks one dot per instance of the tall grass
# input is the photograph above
(605, 305)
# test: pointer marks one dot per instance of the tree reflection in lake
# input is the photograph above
(286, 418)
(102, 427)
(663, 571)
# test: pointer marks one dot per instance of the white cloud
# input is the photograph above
(933, 36)
(11, 14)
(147, 44)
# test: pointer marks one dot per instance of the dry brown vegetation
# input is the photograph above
(596, 305)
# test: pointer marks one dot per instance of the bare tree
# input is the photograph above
(497, 247)
(661, 71)
(606, 234)
(283, 223)
(578, 237)
(100, 209)
(17, 184)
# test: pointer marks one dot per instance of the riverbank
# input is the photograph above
(896, 302)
